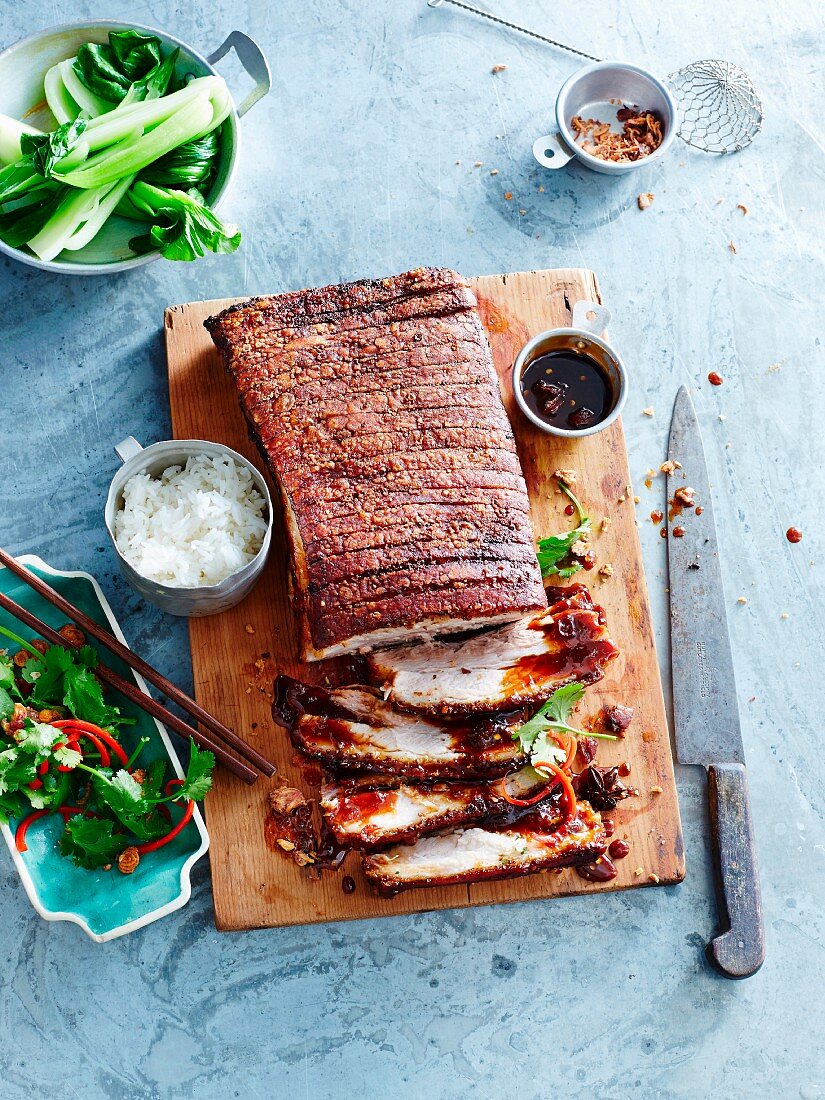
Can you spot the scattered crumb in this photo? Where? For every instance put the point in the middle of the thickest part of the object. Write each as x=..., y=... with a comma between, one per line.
x=670, y=465
x=742, y=599
x=685, y=495
x=636, y=499
x=494, y=171
x=650, y=473
x=478, y=164
x=458, y=162
x=732, y=247
x=719, y=202
x=249, y=628
x=645, y=200
x=784, y=615
x=656, y=790
x=287, y=845
x=721, y=417
x=652, y=877
x=522, y=212
x=621, y=500
x=741, y=206
x=606, y=570
x=508, y=195
x=579, y=548
x=628, y=490
x=498, y=68
x=541, y=188
x=649, y=411
x=606, y=521
x=565, y=475
x=774, y=368
x=637, y=872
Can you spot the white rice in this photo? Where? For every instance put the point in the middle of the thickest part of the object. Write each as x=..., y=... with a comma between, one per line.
x=192, y=526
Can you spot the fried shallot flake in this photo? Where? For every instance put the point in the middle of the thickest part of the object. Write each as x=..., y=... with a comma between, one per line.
x=641, y=135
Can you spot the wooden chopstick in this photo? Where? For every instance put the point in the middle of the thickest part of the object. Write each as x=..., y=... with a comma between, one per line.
x=222, y=732
x=133, y=692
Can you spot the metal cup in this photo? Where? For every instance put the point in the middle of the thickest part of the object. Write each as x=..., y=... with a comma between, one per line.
x=596, y=91
x=589, y=322
x=153, y=460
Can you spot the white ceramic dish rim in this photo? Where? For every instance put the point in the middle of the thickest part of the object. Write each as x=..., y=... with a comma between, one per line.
x=568, y=433
x=192, y=446
x=607, y=167
x=61, y=267
x=185, y=873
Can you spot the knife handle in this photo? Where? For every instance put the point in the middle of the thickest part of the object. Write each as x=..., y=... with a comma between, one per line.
x=740, y=951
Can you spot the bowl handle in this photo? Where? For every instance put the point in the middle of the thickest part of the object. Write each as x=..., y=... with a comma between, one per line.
x=128, y=448
x=251, y=56
x=551, y=152
x=591, y=317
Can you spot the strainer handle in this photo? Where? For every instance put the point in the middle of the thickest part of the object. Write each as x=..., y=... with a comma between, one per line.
x=551, y=152
x=251, y=56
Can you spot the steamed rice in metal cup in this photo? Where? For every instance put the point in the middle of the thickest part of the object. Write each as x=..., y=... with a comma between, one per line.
x=200, y=600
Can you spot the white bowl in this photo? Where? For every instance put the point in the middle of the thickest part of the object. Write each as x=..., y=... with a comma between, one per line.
x=589, y=93
x=22, y=69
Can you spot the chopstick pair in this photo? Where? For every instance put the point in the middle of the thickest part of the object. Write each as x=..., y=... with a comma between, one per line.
x=225, y=735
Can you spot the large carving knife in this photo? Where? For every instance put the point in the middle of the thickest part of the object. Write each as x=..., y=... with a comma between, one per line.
x=706, y=714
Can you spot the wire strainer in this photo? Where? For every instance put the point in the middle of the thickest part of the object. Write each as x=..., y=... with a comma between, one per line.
x=720, y=109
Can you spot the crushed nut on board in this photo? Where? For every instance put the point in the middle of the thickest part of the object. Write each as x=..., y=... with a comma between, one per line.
x=649, y=411
x=741, y=600
x=670, y=465
x=741, y=206
x=606, y=570
x=656, y=790
x=685, y=495
x=652, y=877
x=565, y=475
x=249, y=628
x=498, y=68
x=645, y=200
x=638, y=871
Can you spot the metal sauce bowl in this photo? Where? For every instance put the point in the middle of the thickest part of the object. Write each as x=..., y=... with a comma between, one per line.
x=588, y=93
x=153, y=460
x=22, y=69
x=589, y=322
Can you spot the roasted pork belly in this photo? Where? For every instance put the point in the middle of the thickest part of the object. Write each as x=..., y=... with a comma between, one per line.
x=534, y=842
x=355, y=729
x=372, y=815
x=513, y=666
x=377, y=410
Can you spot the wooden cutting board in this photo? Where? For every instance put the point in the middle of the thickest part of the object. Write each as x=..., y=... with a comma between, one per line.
x=236, y=655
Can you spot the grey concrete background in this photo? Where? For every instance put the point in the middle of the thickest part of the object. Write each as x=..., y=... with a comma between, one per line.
x=350, y=170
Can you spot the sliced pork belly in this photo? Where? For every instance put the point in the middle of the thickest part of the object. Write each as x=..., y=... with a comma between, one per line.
x=535, y=842
x=372, y=815
x=517, y=665
x=353, y=728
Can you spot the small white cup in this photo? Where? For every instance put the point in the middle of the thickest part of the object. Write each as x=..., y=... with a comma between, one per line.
x=207, y=599
x=589, y=322
x=594, y=91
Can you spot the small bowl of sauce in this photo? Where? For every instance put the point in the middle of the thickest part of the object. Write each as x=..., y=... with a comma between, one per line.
x=570, y=381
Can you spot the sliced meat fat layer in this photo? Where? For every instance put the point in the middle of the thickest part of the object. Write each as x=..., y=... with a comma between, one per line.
x=480, y=853
x=371, y=815
x=353, y=728
x=520, y=664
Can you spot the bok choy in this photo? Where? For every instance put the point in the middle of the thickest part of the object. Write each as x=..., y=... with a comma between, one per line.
x=132, y=140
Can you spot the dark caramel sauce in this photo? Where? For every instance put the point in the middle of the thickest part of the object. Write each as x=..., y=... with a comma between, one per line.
x=567, y=389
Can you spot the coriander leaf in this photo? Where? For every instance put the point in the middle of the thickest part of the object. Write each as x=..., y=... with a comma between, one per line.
x=69, y=758
x=10, y=806
x=16, y=770
x=6, y=705
x=556, y=548
x=37, y=737
x=153, y=782
x=198, y=775
x=556, y=710
x=83, y=695
x=91, y=842
x=122, y=796
x=46, y=673
x=46, y=150
x=6, y=671
x=545, y=748
x=128, y=786
x=39, y=799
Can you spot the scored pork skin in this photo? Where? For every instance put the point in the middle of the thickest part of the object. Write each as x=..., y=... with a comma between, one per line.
x=517, y=665
x=536, y=842
x=375, y=390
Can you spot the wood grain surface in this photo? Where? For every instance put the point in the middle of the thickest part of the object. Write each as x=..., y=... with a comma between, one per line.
x=235, y=655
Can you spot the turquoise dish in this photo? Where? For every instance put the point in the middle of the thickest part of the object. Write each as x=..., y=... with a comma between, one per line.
x=105, y=904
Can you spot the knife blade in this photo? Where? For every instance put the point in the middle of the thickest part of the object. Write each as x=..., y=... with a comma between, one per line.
x=705, y=709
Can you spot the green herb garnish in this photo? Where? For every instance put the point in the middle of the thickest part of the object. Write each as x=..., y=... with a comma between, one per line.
x=553, y=715
x=554, y=552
